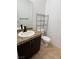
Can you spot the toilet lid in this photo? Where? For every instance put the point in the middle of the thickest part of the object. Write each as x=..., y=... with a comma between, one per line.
x=45, y=38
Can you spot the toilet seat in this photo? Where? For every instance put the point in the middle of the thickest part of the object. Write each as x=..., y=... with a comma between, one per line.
x=45, y=38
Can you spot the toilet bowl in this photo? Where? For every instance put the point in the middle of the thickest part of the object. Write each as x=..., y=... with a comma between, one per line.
x=46, y=40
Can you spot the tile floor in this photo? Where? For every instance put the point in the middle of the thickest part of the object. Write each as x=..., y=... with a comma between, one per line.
x=49, y=52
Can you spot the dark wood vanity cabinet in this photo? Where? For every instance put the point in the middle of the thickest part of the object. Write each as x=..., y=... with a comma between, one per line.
x=28, y=49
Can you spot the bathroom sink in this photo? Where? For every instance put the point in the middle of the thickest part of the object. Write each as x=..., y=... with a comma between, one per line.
x=26, y=34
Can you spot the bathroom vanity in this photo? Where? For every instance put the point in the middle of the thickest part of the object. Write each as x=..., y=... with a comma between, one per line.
x=28, y=46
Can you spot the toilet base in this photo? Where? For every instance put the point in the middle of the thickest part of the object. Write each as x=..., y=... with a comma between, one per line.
x=44, y=44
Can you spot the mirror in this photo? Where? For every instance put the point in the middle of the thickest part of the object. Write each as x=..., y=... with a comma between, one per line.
x=24, y=13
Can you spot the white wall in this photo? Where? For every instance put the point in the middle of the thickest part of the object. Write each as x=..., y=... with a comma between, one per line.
x=53, y=8
x=24, y=10
x=38, y=7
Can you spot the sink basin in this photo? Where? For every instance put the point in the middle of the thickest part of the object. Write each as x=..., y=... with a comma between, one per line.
x=26, y=34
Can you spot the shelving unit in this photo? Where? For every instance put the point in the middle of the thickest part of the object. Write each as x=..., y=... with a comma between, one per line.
x=42, y=23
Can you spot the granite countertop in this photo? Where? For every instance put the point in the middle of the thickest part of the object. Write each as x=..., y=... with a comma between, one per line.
x=21, y=40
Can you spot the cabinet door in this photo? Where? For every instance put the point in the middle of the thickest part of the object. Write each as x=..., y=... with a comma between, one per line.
x=24, y=50
x=35, y=44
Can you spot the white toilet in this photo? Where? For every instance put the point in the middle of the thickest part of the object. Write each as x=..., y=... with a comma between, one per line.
x=45, y=39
